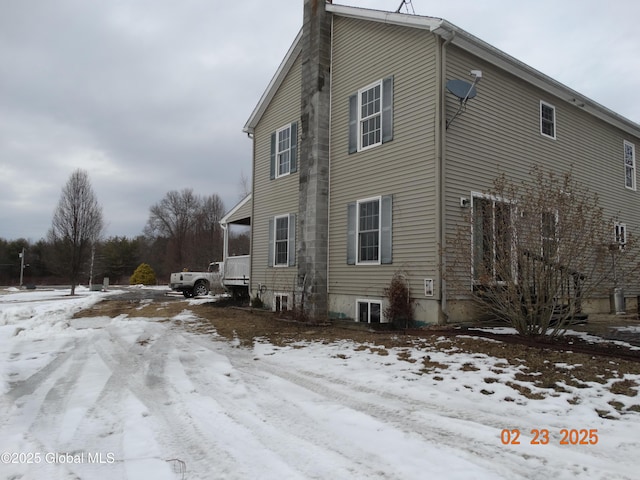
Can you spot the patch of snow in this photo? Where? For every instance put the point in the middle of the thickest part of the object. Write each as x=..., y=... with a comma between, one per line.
x=155, y=401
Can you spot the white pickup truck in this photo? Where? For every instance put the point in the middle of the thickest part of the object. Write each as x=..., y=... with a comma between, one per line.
x=196, y=284
x=232, y=275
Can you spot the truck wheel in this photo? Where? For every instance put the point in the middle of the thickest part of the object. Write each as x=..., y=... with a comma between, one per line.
x=187, y=293
x=200, y=289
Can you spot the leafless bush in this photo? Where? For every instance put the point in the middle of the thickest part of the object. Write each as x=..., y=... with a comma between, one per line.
x=529, y=253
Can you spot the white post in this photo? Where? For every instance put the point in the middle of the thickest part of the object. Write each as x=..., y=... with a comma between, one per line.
x=21, y=266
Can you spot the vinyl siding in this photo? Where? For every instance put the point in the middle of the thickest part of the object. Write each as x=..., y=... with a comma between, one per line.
x=364, y=52
x=500, y=133
x=278, y=196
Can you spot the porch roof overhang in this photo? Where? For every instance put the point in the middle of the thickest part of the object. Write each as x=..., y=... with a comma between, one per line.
x=240, y=214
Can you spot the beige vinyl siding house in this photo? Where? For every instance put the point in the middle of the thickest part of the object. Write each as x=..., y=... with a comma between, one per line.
x=501, y=133
x=402, y=168
x=401, y=176
x=277, y=198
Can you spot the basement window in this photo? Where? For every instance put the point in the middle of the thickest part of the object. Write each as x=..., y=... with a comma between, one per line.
x=369, y=311
x=281, y=302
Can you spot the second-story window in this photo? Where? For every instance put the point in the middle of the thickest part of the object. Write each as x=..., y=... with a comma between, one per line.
x=629, y=165
x=371, y=116
x=547, y=120
x=283, y=154
x=284, y=151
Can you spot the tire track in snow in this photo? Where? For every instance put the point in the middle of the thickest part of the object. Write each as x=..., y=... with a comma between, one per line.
x=47, y=422
x=433, y=422
x=29, y=385
x=278, y=425
x=258, y=373
x=139, y=370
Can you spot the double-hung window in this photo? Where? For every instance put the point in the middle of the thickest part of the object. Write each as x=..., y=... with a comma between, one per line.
x=629, y=165
x=369, y=231
x=549, y=232
x=493, y=259
x=547, y=120
x=369, y=234
x=282, y=240
x=620, y=234
x=371, y=116
x=284, y=151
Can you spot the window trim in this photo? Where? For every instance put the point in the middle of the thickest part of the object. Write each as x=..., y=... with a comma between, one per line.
x=291, y=240
x=275, y=240
x=386, y=85
x=368, y=200
x=375, y=84
x=369, y=302
x=494, y=199
x=277, y=295
x=633, y=185
x=554, y=121
x=620, y=230
x=274, y=153
x=280, y=152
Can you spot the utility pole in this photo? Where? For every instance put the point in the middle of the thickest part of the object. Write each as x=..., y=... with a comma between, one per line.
x=21, y=266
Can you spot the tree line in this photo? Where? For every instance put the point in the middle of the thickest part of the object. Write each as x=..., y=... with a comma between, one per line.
x=182, y=231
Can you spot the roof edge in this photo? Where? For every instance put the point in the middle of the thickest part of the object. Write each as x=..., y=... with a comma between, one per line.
x=274, y=84
x=238, y=206
x=462, y=39
x=506, y=62
x=393, y=18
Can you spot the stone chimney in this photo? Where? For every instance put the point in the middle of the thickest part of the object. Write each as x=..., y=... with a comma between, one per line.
x=313, y=211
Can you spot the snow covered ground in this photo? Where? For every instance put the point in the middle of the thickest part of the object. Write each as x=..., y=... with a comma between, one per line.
x=141, y=398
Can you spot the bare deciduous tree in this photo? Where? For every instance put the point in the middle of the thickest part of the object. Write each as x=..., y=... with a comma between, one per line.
x=208, y=235
x=77, y=224
x=190, y=225
x=245, y=185
x=535, y=251
x=174, y=218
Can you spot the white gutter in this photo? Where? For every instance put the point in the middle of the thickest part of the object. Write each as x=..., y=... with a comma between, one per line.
x=485, y=51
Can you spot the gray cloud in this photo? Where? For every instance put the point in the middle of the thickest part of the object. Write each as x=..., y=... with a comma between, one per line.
x=151, y=96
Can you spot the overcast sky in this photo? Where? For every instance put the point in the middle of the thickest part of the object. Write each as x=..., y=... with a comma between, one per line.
x=151, y=95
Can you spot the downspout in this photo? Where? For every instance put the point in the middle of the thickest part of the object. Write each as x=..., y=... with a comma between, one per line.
x=440, y=139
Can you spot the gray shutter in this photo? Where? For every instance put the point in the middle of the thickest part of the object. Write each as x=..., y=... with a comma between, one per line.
x=387, y=109
x=351, y=233
x=272, y=168
x=271, y=242
x=386, y=221
x=353, y=123
x=292, y=239
x=294, y=147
